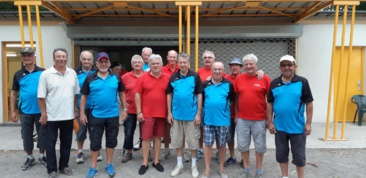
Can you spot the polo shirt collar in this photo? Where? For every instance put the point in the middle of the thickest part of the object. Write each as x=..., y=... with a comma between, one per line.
x=293, y=80
x=36, y=68
x=53, y=70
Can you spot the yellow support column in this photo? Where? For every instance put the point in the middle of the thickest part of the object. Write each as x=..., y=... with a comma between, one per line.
x=330, y=90
x=196, y=38
x=347, y=71
x=40, y=47
x=20, y=13
x=180, y=29
x=30, y=29
x=188, y=33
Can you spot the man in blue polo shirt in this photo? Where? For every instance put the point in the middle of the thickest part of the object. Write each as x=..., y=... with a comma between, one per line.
x=184, y=97
x=287, y=98
x=86, y=68
x=25, y=83
x=103, y=87
x=218, y=95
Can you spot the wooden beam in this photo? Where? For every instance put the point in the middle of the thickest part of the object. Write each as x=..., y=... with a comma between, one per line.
x=29, y=2
x=94, y=11
x=304, y=16
x=345, y=2
x=60, y=13
x=120, y=4
x=275, y=11
x=153, y=11
x=188, y=3
x=222, y=10
x=252, y=4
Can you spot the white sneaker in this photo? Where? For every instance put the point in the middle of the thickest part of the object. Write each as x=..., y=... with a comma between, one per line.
x=177, y=170
x=195, y=172
x=80, y=158
x=100, y=157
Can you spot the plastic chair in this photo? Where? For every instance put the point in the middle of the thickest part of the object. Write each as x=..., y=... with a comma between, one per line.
x=360, y=101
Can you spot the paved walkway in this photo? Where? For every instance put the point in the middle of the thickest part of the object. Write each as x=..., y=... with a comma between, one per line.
x=324, y=158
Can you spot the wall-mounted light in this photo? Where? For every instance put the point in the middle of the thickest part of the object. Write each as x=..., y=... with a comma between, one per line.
x=11, y=55
x=17, y=45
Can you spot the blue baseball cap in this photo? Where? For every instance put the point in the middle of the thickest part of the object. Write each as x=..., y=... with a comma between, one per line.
x=102, y=55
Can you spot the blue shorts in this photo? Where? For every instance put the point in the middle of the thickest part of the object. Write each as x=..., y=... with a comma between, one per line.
x=210, y=133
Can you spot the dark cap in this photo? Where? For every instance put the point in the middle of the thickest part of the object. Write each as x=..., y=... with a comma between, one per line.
x=236, y=61
x=27, y=50
x=102, y=55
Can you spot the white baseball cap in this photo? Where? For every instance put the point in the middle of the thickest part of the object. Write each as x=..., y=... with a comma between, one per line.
x=288, y=58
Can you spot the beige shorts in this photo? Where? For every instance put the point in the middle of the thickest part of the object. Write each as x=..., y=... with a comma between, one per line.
x=187, y=129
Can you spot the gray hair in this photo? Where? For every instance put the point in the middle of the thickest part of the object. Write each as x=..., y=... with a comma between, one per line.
x=86, y=51
x=146, y=48
x=59, y=49
x=156, y=56
x=208, y=52
x=250, y=57
x=136, y=57
x=184, y=55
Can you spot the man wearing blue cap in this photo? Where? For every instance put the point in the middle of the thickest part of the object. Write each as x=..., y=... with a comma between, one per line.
x=103, y=88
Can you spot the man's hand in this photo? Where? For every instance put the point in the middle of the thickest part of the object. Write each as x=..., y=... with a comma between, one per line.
x=197, y=120
x=83, y=119
x=43, y=119
x=307, y=129
x=124, y=115
x=271, y=128
x=260, y=74
x=170, y=119
x=140, y=117
x=14, y=116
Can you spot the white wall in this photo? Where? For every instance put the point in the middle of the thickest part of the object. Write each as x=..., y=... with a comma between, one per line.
x=53, y=36
x=314, y=59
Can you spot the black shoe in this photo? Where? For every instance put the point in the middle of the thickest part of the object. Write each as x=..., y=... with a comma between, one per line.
x=143, y=169
x=43, y=161
x=28, y=164
x=230, y=161
x=158, y=167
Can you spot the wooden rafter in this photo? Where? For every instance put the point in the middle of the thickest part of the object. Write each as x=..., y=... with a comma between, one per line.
x=94, y=11
x=63, y=15
x=275, y=11
x=152, y=11
x=222, y=10
x=311, y=12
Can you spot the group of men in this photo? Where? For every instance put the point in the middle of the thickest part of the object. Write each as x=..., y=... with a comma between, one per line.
x=173, y=102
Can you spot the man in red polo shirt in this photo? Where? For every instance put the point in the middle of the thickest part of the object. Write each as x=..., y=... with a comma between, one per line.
x=151, y=108
x=172, y=65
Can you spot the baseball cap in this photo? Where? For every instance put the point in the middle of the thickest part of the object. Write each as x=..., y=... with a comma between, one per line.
x=26, y=50
x=236, y=61
x=102, y=55
x=288, y=58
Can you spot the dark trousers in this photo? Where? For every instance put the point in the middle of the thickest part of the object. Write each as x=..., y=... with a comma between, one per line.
x=27, y=122
x=53, y=128
x=129, y=128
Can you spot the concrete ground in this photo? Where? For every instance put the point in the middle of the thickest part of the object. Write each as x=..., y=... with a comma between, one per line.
x=333, y=159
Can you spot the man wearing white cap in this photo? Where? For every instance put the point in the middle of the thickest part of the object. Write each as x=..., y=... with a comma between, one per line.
x=286, y=101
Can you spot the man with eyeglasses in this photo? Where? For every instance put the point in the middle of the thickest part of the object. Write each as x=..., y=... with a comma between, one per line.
x=250, y=116
x=286, y=101
x=86, y=68
x=58, y=90
x=218, y=96
x=25, y=84
x=103, y=87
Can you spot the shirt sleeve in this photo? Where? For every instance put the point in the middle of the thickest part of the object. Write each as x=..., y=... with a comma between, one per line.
x=306, y=95
x=169, y=88
x=77, y=86
x=42, y=90
x=16, y=85
x=198, y=87
x=270, y=98
x=138, y=88
x=85, y=89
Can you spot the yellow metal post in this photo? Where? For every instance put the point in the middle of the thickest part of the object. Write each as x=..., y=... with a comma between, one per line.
x=345, y=11
x=196, y=39
x=21, y=24
x=40, y=47
x=30, y=29
x=330, y=90
x=180, y=29
x=188, y=35
x=347, y=71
